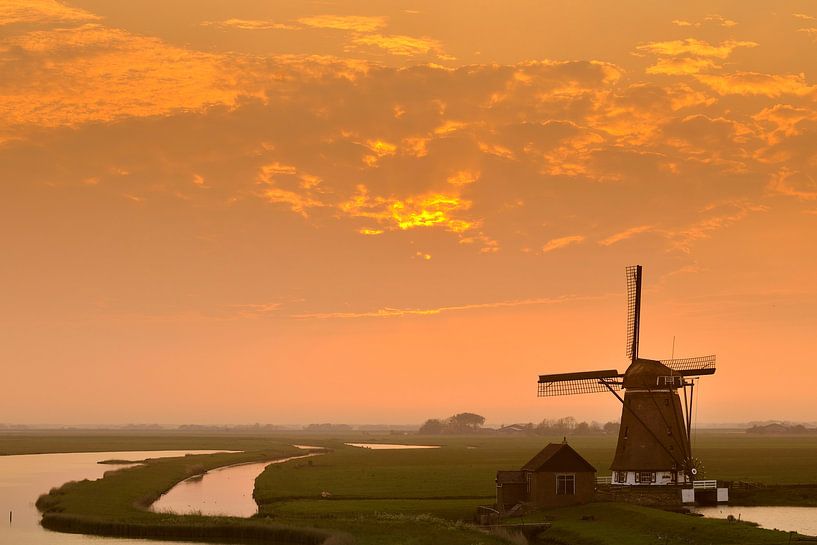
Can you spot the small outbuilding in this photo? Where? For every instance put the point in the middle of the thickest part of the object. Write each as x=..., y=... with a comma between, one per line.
x=555, y=477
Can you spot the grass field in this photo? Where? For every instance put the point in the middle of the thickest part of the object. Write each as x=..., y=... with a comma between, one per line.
x=411, y=497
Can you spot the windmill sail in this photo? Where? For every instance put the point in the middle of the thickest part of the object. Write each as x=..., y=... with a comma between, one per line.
x=704, y=365
x=588, y=382
x=633, y=309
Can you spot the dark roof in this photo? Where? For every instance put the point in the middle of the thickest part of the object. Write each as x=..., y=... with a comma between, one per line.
x=644, y=373
x=510, y=477
x=558, y=457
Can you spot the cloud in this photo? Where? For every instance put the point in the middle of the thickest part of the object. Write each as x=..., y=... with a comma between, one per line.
x=355, y=23
x=754, y=83
x=41, y=11
x=417, y=211
x=718, y=216
x=804, y=17
x=463, y=177
x=563, y=242
x=794, y=183
x=401, y=45
x=626, y=234
x=300, y=198
x=693, y=47
x=401, y=312
x=249, y=24
x=113, y=75
x=716, y=20
x=812, y=32
x=676, y=66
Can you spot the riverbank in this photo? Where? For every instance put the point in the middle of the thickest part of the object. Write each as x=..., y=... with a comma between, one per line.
x=117, y=504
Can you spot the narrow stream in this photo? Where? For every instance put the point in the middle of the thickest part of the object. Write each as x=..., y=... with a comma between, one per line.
x=222, y=491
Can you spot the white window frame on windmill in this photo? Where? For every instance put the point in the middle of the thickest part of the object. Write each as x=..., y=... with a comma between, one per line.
x=676, y=381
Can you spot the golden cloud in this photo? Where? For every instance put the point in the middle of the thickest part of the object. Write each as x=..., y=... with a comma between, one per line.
x=693, y=47
x=716, y=20
x=113, y=75
x=404, y=46
x=679, y=66
x=563, y=242
x=41, y=11
x=753, y=83
x=720, y=216
x=812, y=32
x=399, y=312
x=626, y=234
x=248, y=24
x=427, y=210
x=354, y=23
x=463, y=177
x=794, y=183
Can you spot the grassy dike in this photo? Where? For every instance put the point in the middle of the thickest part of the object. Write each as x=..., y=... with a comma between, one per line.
x=116, y=505
x=419, y=497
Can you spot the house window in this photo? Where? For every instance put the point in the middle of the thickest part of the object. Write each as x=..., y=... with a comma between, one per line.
x=645, y=477
x=565, y=485
x=621, y=476
x=528, y=482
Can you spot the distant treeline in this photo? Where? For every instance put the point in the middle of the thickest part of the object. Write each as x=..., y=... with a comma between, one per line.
x=777, y=428
x=472, y=423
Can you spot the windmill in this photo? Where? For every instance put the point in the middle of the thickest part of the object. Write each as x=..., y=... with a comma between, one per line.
x=654, y=445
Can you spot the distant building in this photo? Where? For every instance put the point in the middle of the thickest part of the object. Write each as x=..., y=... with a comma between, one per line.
x=515, y=429
x=555, y=477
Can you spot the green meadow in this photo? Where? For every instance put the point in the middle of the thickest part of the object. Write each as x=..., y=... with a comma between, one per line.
x=411, y=497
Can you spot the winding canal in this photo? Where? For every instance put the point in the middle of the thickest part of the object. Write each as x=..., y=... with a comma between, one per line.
x=24, y=478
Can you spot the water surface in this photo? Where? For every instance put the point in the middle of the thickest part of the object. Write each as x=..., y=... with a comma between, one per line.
x=388, y=446
x=790, y=519
x=221, y=491
x=23, y=478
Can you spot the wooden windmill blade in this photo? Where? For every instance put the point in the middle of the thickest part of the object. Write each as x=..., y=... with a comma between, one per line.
x=587, y=382
x=633, y=309
x=703, y=365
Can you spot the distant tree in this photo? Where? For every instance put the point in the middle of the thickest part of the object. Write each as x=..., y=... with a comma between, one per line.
x=466, y=422
x=566, y=424
x=582, y=428
x=433, y=426
x=611, y=427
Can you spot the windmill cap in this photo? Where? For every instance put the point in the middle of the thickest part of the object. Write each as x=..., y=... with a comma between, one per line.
x=643, y=373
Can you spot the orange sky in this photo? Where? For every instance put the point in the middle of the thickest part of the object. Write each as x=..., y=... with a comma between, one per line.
x=369, y=212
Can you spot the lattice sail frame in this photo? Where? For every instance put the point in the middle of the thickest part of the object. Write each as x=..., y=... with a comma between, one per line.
x=703, y=365
x=589, y=382
x=633, y=273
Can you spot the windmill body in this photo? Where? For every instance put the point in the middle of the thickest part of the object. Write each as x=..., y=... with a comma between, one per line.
x=654, y=438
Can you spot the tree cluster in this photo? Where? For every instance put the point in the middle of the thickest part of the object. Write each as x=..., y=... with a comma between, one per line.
x=568, y=426
x=458, y=423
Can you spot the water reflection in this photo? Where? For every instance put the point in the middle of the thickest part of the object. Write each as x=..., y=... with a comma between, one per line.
x=24, y=478
x=222, y=491
x=790, y=519
x=388, y=446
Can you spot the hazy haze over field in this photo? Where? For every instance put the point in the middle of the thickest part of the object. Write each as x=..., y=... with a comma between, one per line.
x=372, y=212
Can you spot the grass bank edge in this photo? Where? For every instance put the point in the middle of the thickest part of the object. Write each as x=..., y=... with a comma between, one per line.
x=117, y=505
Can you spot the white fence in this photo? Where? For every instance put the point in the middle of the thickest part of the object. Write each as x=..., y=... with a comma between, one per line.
x=604, y=480
x=704, y=484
